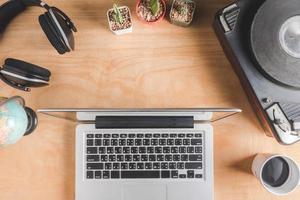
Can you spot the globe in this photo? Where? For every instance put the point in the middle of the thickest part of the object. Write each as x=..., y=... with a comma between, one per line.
x=13, y=120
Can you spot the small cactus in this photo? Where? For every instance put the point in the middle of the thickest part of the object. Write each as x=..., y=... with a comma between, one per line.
x=117, y=14
x=154, y=6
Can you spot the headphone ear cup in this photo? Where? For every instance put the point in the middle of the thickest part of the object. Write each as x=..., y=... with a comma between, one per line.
x=26, y=69
x=51, y=35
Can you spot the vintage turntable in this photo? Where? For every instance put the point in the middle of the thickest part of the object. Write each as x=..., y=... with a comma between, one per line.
x=261, y=38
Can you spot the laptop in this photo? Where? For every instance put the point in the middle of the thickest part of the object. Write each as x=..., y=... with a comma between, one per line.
x=144, y=154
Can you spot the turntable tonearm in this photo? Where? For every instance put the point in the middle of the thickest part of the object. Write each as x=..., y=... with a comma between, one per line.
x=261, y=38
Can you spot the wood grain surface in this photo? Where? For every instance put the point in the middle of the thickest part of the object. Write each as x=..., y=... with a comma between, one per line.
x=155, y=66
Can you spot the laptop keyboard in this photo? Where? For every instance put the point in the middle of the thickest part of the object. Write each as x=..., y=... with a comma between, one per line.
x=144, y=156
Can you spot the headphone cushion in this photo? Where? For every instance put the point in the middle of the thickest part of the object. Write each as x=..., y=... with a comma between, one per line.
x=26, y=69
x=51, y=35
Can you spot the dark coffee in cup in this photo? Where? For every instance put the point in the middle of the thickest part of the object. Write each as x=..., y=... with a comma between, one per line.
x=275, y=172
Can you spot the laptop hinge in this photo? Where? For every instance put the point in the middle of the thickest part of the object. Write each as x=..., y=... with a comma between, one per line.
x=115, y=122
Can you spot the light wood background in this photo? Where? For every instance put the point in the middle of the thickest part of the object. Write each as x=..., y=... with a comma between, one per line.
x=155, y=66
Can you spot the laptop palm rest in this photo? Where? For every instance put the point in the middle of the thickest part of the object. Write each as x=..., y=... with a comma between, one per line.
x=144, y=191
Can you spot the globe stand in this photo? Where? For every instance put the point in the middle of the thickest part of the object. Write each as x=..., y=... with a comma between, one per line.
x=32, y=121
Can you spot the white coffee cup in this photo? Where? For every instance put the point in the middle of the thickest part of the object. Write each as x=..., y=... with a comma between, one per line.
x=290, y=184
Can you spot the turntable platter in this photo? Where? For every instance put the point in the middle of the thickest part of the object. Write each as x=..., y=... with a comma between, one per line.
x=275, y=41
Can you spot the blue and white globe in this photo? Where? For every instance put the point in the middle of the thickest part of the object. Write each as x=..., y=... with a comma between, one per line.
x=13, y=120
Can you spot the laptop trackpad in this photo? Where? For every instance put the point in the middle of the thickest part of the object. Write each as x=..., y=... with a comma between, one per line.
x=144, y=192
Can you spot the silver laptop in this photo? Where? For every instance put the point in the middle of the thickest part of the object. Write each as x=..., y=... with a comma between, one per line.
x=149, y=154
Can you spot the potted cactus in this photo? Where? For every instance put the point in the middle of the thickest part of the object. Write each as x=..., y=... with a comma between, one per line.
x=119, y=20
x=151, y=11
x=182, y=12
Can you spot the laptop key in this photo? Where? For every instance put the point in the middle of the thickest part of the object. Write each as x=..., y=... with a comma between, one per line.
x=198, y=135
x=156, y=135
x=184, y=157
x=190, y=173
x=134, y=150
x=148, y=165
x=115, y=135
x=198, y=149
x=178, y=141
x=110, y=150
x=115, y=174
x=180, y=165
x=172, y=165
x=165, y=174
x=150, y=149
x=182, y=149
x=126, y=149
x=123, y=135
x=98, y=174
x=156, y=165
x=168, y=157
x=190, y=149
x=140, y=135
x=136, y=157
x=108, y=165
x=193, y=165
x=162, y=142
x=166, y=150
x=190, y=135
x=140, y=165
x=148, y=135
x=160, y=157
x=164, y=165
x=94, y=166
x=90, y=142
x=104, y=158
x=118, y=150
x=173, y=135
x=106, y=142
x=186, y=142
x=112, y=158
x=106, y=174
x=174, y=174
x=124, y=165
x=98, y=136
x=98, y=142
x=154, y=142
x=122, y=142
x=89, y=174
x=114, y=142
x=132, y=165
x=174, y=149
x=198, y=176
x=138, y=142
x=170, y=142
x=142, y=150
x=92, y=158
x=131, y=135
x=165, y=135
x=120, y=158
x=146, y=142
x=182, y=175
x=140, y=174
x=102, y=150
x=91, y=150
x=195, y=157
x=128, y=158
x=158, y=149
x=144, y=158
x=116, y=165
x=90, y=135
x=130, y=142
x=176, y=157
x=196, y=141
x=106, y=135
x=152, y=157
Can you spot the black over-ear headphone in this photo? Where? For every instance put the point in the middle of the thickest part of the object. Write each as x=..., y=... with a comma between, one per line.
x=57, y=26
x=22, y=75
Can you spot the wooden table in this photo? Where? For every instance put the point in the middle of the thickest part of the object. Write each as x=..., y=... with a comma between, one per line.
x=155, y=66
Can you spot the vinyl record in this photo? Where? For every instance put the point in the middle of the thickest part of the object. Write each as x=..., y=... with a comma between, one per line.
x=275, y=41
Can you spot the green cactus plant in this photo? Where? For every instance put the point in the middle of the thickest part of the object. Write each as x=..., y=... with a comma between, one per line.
x=117, y=14
x=154, y=6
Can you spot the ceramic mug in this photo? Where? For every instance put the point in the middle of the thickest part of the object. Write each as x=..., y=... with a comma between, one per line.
x=278, y=174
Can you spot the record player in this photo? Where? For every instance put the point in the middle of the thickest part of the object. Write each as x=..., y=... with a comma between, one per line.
x=261, y=38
